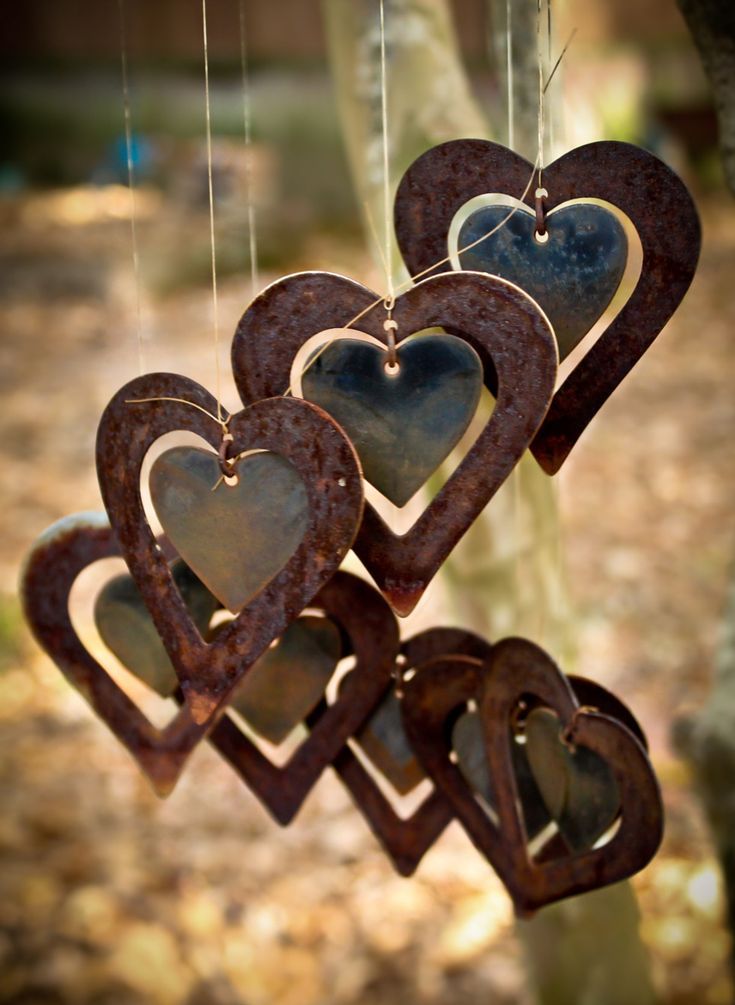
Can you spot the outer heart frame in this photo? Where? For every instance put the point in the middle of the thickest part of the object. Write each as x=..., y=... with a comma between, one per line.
x=516, y=670
x=518, y=351
x=51, y=568
x=303, y=434
x=369, y=628
x=445, y=178
x=406, y=840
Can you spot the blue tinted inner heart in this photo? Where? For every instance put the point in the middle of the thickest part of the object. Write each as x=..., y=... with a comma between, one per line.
x=572, y=276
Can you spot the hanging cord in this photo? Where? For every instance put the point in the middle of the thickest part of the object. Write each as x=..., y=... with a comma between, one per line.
x=509, y=72
x=131, y=184
x=247, y=129
x=386, y=161
x=215, y=301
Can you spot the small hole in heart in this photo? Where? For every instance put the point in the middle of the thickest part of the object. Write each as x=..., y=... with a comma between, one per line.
x=392, y=369
x=231, y=480
x=540, y=238
x=342, y=482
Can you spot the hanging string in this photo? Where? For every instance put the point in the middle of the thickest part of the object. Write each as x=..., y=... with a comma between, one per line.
x=247, y=129
x=509, y=72
x=540, y=62
x=548, y=64
x=386, y=177
x=131, y=183
x=215, y=302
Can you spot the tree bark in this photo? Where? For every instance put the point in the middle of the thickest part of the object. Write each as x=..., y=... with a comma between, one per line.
x=712, y=24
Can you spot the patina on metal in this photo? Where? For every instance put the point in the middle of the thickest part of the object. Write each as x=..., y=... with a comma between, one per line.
x=572, y=274
x=403, y=421
x=259, y=520
x=302, y=434
x=405, y=839
x=518, y=673
x=371, y=630
x=445, y=178
x=501, y=323
x=50, y=570
x=125, y=626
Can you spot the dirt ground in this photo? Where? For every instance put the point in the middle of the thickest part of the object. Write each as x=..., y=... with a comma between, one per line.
x=109, y=897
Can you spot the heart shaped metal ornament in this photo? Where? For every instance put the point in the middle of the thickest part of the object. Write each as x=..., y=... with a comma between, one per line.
x=572, y=274
x=326, y=464
x=50, y=571
x=260, y=520
x=383, y=741
x=403, y=421
x=503, y=326
x=444, y=179
x=372, y=633
x=515, y=674
x=125, y=626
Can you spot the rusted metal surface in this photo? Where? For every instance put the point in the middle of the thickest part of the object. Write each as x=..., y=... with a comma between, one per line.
x=372, y=633
x=301, y=433
x=658, y=204
x=518, y=671
x=51, y=568
x=407, y=839
x=519, y=356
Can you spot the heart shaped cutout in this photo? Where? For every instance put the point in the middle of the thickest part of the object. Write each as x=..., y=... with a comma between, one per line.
x=404, y=839
x=403, y=421
x=518, y=671
x=151, y=406
x=369, y=625
x=572, y=274
x=504, y=327
x=445, y=178
x=125, y=626
x=50, y=570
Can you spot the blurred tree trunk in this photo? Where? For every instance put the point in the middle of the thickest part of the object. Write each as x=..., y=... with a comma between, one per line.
x=506, y=573
x=708, y=743
x=712, y=24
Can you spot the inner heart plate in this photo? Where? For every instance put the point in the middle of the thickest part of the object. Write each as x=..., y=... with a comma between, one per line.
x=572, y=274
x=372, y=632
x=301, y=434
x=440, y=182
x=403, y=420
x=497, y=320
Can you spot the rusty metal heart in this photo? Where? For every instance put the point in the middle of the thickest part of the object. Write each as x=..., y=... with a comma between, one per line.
x=126, y=628
x=572, y=274
x=260, y=521
x=403, y=422
x=404, y=839
x=515, y=672
x=371, y=629
x=444, y=179
x=500, y=322
x=142, y=412
x=50, y=570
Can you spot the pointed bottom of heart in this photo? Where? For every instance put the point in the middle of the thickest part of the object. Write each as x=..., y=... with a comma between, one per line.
x=401, y=598
x=200, y=706
x=162, y=769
